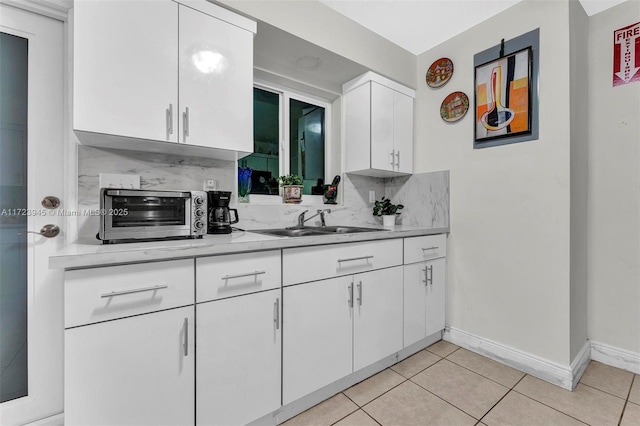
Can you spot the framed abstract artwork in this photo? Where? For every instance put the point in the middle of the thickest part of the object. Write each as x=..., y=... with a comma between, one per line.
x=506, y=99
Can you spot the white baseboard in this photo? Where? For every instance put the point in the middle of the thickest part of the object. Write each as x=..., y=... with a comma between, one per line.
x=615, y=357
x=564, y=376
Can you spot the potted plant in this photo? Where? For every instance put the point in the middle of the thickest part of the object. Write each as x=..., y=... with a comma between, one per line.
x=291, y=188
x=387, y=210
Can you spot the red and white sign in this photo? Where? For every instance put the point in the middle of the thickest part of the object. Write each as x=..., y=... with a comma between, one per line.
x=626, y=54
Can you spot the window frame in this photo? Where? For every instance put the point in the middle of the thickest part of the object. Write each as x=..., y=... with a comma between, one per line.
x=285, y=96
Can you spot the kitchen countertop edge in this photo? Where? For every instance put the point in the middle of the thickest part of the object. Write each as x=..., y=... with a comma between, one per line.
x=86, y=255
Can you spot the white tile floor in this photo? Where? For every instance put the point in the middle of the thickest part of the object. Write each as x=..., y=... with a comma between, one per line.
x=448, y=385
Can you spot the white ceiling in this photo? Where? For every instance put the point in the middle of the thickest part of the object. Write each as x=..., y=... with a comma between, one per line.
x=419, y=25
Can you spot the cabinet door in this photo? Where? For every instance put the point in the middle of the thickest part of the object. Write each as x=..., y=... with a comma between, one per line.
x=436, y=295
x=317, y=349
x=377, y=324
x=216, y=82
x=415, y=308
x=358, y=129
x=403, y=132
x=382, y=151
x=239, y=359
x=125, y=67
x=131, y=371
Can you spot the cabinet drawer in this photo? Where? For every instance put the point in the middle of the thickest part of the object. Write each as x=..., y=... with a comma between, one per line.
x=101, y=294
x=417, y=249
x=224, y=276
x=316, y=263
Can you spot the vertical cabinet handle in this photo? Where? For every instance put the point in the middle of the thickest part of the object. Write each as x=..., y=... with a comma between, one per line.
x=169, y=120
x=360, y=293
x=350, y=300
x=276, y=314
x=426, y=276
x=393, y=157
x=185, y=330
x=430, y=274
x=185, y=124
x=398, y=159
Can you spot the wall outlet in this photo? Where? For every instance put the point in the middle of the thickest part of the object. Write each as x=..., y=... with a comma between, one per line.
x=109, y=180
x=209, y=185
x=372, y=196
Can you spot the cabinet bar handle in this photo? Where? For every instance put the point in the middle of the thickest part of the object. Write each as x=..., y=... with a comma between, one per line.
x=398, y=159
x=185, y=124
x=350, y=295
x=430, y=248
x=393, y=154
x=276, y=316
x=430, y=275
x=137, y=290
x=248, y=274
x=360, y=293
x=185, y=330
x=426, y=277
x=355, y=258
x=169, y=120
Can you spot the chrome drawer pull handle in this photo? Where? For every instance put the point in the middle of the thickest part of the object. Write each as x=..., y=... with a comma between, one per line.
x=185, y=330
x=185, y=124
x=355, y=258
x=360, y=293
x=350, y=289
x=138, y=290
x=430, y=248
x=276, y=316
x=248, y=274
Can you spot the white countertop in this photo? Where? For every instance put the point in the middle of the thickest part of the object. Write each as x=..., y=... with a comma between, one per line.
x=92, y=254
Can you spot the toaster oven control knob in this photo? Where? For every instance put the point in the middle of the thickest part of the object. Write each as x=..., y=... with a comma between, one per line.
x=199, y=212
x=199, y=225
x=198, y=200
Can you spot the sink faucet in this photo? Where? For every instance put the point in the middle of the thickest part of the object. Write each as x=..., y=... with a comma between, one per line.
x=319, y=212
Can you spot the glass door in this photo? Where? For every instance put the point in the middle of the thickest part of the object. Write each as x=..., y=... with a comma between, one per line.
x=31, y=178
x=13, y=223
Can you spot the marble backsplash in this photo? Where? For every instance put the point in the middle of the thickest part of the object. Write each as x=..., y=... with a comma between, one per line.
x=424, y=195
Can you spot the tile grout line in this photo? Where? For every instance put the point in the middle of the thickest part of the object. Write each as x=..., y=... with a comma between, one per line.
x=404, y=381
x=503, y=397
x=626, y=402
x=605, y=392
x=546, y=405
x=489, y=378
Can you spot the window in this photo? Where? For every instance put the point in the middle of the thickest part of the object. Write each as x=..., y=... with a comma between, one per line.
x=289, y=132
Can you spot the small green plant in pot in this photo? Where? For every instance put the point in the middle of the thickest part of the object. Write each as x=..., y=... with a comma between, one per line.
x=291, y=188
x=387, y=210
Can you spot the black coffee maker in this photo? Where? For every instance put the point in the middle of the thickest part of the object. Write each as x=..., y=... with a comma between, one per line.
x=219, y=219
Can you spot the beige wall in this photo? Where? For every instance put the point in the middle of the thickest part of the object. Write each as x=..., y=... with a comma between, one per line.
x=509, y=252
x=319, y=24
x=614, y=189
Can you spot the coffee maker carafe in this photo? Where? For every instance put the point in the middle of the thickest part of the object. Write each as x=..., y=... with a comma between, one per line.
x=219, y=219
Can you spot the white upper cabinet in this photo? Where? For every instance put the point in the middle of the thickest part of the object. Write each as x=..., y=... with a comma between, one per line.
x=216, y=83
x=378, y=126
x=125, y=74
x=159, y=71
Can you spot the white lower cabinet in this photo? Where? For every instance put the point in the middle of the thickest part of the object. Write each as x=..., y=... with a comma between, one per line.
x=336, y=326
x=424, y=299
x=317, y=347
x=131, y=371
x=238, y=351
x=377, y=323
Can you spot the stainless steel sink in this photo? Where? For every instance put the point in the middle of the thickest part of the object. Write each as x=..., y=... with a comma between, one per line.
x=315, y=231
x=350, y=229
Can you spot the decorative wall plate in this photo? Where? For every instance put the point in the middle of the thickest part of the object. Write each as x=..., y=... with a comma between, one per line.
x=454, y=107
x=439, y=72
